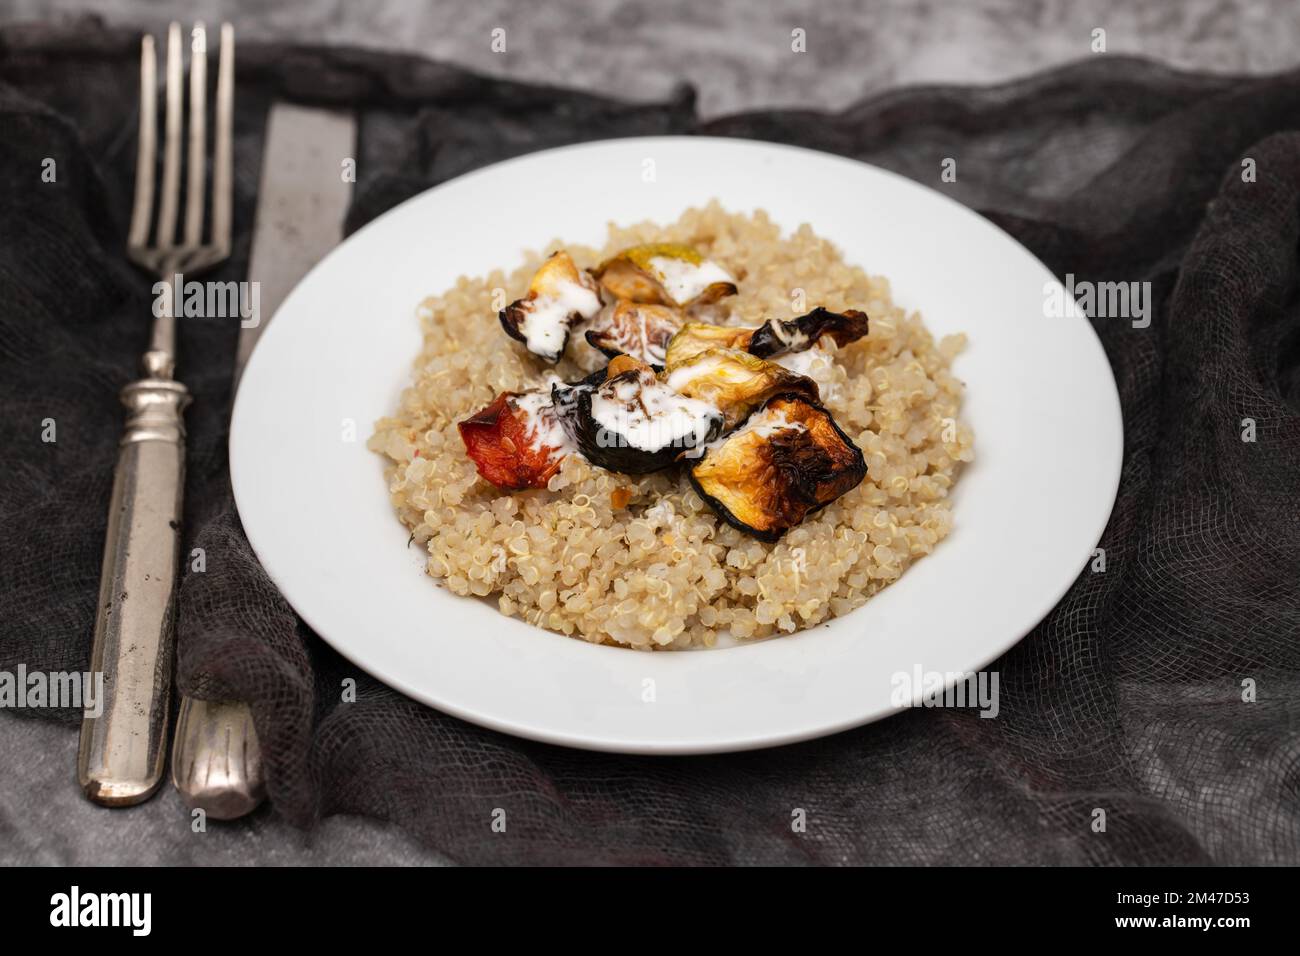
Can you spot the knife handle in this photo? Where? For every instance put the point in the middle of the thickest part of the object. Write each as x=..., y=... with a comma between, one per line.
x=123, y=746
x=216, y=759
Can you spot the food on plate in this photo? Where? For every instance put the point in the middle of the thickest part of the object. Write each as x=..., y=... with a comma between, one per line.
x=515, y=442
x=665, y=273
x=631, y=422
x=559, y=295
x=696, y=337
x=668, y=449
x=774, y=337
x=637, y=329
x=735, y=382
x=787, y=460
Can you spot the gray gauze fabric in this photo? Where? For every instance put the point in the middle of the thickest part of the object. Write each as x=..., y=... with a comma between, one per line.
x=1128, y=698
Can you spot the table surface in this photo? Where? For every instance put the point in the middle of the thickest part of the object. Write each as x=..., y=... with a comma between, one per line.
x=738, y=56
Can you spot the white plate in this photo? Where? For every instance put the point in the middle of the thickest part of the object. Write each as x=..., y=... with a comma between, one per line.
x=1028, y=512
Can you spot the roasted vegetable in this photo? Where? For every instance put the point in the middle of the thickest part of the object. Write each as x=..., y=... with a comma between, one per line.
x=665, y=274
x=516, y=442
x=558, y=295
x=636, y=329
x=775, y=336
x=735, y=382
x=788, y=460
x=697, y=337
x=630, y=421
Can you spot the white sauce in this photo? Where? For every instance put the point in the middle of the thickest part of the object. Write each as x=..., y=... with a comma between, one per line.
x=650, y=416
x=683, y=280
x=543, y=425
x=765, y=423
x=649, y=352
x=817, y=364
x=768, y=422
x=547, y=317
x=789, y=336
x=635, y=341
x=801, y=363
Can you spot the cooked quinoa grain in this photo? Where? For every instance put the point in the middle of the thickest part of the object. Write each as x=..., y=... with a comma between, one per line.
x=643, y=561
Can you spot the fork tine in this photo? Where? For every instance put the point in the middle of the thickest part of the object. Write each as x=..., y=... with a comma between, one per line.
x=198, y=130
x=222, y=162
x=172, y=143
x=142, y=208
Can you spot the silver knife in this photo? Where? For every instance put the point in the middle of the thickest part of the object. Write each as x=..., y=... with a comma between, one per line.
x=302, y=199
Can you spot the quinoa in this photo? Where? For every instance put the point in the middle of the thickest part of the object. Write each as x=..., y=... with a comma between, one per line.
x=641, y=560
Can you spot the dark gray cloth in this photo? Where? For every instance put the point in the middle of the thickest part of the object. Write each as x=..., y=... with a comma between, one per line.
x=1128, y=698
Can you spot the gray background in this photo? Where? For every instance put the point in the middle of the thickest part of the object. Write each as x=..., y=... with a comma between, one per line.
x=737, y=55
x=737, y=52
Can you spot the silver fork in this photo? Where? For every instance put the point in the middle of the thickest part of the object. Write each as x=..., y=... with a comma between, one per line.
x=123, y=748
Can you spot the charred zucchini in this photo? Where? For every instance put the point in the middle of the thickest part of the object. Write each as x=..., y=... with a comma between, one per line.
x=637, y=329
x=788, y=460
x=735, y=382
x=630, y=421
x=697, y=337
x=665, y=273
x=773, y=337
x=776, y=336
x=558, y=295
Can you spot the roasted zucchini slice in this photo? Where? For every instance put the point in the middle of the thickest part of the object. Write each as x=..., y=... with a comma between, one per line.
x=789, y=459
x=776, y=336
x=773, y=337
x=631, y=422
x=637, y=329
x=665, y=273
x=735, y=382
x=696, y=337
x=517, y=441
x=559, y=295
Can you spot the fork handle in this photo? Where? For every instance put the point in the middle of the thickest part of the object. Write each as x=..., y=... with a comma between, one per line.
x=123, y=748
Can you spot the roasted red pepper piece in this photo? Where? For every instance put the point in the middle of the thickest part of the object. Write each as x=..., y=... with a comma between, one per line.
x=499, y=442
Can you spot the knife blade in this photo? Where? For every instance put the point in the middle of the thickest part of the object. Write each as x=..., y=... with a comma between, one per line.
x=303, y=196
